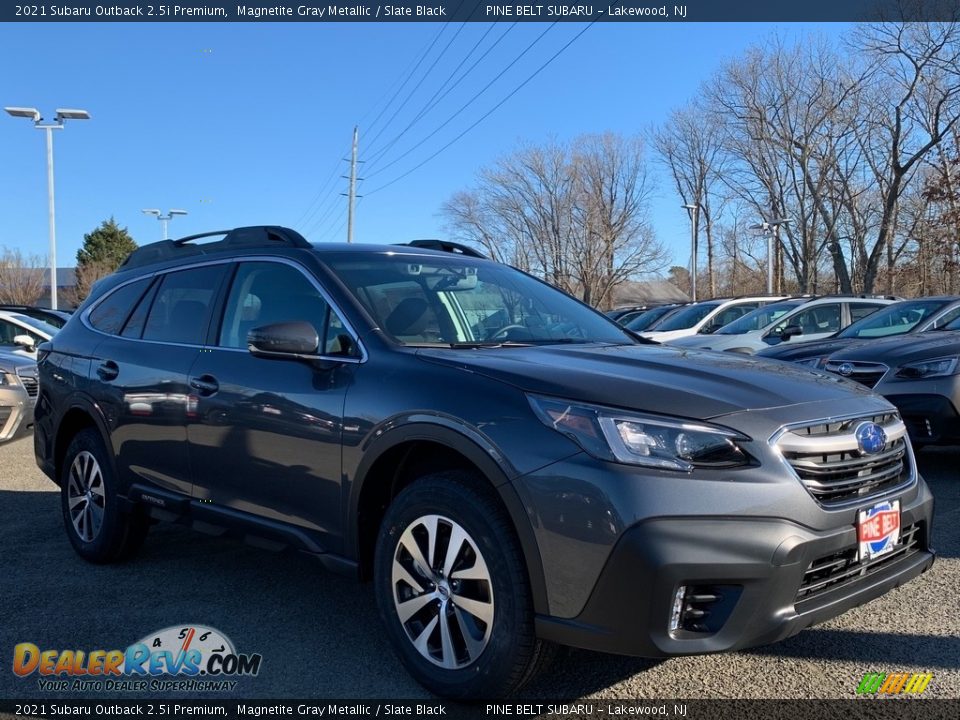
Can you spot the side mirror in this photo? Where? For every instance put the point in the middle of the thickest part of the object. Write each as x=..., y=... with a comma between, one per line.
x=292, y=340
x=791, y=331
x=26, y=342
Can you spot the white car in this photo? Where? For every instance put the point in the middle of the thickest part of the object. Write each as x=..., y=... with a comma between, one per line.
x=20, y=334
x=705, y=317
x=805, y=321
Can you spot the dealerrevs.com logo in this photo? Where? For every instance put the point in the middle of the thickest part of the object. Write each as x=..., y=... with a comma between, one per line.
x=178, y=658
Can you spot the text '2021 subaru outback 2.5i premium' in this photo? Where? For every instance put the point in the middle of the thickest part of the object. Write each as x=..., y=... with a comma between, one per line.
x=511, y=469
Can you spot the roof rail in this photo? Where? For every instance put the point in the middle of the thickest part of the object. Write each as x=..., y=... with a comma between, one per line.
x=446, y=246
x=253, y=236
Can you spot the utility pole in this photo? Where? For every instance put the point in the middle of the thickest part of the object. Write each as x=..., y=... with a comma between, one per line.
x=352, y=197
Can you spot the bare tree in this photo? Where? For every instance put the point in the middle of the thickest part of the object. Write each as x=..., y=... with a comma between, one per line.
x=21, y=277
x=574, y=214
x=691, y=146
x=911, y=101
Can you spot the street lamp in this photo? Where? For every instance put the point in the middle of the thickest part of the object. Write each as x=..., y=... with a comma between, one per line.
x=164, y=219
x=62, y=115
x=694, y=212
x=772, y=231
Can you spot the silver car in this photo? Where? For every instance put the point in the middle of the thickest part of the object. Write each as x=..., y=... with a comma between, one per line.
x=18, y=394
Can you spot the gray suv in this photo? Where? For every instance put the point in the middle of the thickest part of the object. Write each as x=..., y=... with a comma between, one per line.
x=508, y=467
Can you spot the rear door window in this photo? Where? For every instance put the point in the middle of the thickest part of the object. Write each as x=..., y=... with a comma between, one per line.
x=111, y=312
x=181, y=308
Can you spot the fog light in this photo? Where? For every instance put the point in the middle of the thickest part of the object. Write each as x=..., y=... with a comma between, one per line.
x=677, y=612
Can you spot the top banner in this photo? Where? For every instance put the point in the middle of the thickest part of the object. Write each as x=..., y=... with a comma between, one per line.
x=471, y=11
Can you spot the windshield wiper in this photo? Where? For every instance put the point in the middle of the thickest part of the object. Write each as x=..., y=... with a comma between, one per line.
x=472, y=345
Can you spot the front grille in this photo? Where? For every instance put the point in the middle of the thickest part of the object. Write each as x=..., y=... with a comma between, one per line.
x=29, y=380
x=843, y=567
x=828, y=460
x=866, y=373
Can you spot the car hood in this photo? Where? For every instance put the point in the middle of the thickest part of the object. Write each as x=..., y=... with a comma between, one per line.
x=11, y=359
x=667, y=335
x=904, y=348
x=687, y=383
x=792, y=352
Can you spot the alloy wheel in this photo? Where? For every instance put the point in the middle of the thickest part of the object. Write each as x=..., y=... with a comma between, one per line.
x=442, y=592
x=85, y=494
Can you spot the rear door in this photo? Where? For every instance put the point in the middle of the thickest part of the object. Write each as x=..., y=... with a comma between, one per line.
x=140, y=371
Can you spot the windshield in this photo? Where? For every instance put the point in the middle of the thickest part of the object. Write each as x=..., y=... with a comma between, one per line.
x=45, y=328
x=685, y=318
x=648, y=318
x=430, y=300
x=897, y=319
x=759, y=318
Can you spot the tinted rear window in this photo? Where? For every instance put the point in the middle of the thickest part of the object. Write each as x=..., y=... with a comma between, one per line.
x=111, y=312
x=179, y=312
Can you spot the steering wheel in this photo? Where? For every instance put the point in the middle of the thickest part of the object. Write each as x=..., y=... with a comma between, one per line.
x=504, y=332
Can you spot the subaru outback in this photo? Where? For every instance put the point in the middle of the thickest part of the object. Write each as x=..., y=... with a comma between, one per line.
x=510, y=469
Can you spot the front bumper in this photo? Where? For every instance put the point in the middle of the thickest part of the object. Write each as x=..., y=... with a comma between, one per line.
x=759, y=564
x=16, y=414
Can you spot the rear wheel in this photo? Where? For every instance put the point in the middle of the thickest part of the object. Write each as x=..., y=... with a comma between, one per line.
x=452, y=589
x=97, y=527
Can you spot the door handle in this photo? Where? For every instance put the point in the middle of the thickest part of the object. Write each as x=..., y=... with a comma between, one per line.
x=205, y=384
x=108, y=370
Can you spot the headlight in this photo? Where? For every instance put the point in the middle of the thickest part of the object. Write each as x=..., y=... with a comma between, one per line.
x=814, y=362
x=638, y=439
x=938, y=367
x=8, y=380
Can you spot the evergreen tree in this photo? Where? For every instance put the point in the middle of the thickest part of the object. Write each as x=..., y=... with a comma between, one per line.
x=102, y=252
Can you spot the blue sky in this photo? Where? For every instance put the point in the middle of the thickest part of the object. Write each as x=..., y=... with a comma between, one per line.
x=246, y=123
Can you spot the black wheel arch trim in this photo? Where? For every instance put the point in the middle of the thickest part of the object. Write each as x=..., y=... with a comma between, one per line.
x=479, y=450
x=95, y=413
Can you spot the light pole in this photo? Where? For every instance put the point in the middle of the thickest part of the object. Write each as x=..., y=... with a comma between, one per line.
x=772, y=231
x=164, y=219
x=694, y=212
x=62, y=115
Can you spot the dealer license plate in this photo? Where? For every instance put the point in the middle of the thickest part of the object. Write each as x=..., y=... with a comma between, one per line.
x=878, y=529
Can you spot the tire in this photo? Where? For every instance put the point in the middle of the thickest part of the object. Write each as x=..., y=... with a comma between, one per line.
x=98, y=528
x=489, y=648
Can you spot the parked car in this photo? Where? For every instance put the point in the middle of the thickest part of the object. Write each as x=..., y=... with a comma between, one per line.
x=21, y=333
x=18, y=392
x=808, y=320
x=647, y=318
x=707, y=316
x=57, y=318
x=907, y=317
x=623, y=315
x=546, y=479
x=754, y=320
x=919, y=374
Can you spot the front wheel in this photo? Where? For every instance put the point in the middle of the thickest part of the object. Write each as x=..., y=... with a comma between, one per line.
x=452, y=590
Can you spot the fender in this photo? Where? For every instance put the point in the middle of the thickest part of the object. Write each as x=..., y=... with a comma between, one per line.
x=479, y=450
x=79, y=401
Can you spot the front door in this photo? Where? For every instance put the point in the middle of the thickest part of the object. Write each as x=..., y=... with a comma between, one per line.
x=266, y=438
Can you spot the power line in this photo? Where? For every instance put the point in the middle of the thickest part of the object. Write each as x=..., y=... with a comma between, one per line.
x=469, y=102
x=304, y=215
x=488, y=113
x=437, y=97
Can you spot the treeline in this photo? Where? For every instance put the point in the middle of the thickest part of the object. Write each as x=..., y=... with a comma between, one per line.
x=857, y=143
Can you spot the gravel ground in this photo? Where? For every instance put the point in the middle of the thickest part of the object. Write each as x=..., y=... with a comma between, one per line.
x=320, y=636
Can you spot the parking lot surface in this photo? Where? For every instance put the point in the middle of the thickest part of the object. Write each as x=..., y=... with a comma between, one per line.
x=320, y=636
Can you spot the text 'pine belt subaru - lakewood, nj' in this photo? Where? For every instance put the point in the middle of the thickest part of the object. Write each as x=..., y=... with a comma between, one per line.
x=510, y=468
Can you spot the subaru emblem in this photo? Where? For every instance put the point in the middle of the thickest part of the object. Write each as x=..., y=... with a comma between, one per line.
x=871, y=438
x=845, y=369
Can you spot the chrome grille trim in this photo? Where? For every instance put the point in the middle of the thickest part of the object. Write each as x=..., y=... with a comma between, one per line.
x=866, y=373
x=824, y=456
